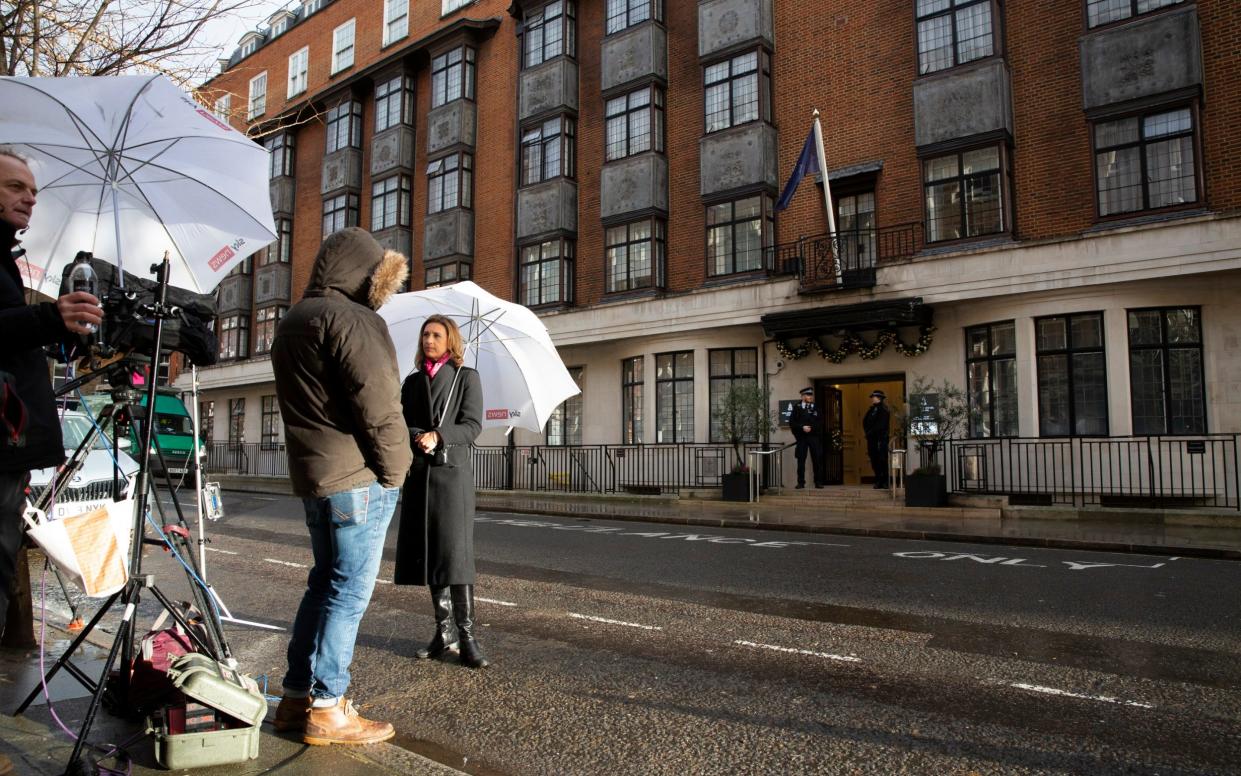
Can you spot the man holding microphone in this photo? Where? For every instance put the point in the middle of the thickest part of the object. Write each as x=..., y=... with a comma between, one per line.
x=27, y=328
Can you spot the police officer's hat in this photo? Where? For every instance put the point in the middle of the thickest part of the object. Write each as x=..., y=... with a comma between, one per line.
x=878, y=394
x=807, y=390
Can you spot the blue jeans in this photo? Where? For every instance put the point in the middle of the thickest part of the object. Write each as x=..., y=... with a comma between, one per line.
x=347, y=532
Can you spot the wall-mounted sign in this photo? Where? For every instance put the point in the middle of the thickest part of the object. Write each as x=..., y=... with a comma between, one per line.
x=786, y=410
x=923, y=414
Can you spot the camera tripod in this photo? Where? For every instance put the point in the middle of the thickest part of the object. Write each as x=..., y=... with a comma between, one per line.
x=212, y=641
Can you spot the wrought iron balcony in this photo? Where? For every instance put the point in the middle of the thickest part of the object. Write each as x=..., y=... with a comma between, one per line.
x=845, y=259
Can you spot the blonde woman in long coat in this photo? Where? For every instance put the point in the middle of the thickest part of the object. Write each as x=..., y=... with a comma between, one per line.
x=443, y=405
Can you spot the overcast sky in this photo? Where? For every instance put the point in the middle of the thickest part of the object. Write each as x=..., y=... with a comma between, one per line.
x=223, y=34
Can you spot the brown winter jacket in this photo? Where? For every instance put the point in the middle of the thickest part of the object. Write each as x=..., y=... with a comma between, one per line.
x=336, y=374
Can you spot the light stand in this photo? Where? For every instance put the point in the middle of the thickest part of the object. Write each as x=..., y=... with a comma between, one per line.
x=130, y=595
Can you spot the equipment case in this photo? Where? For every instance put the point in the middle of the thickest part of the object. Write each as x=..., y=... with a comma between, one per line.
x=240, y=710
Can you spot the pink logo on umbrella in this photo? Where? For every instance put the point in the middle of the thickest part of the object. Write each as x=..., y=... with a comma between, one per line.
x=221, y=258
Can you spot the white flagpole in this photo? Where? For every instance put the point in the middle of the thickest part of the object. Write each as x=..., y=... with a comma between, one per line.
x=827, y=195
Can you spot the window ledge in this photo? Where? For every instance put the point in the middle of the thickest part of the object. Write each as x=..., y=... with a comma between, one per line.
x=1123, y=222
x=629, y=296
x=737, y=278
x=969, y=245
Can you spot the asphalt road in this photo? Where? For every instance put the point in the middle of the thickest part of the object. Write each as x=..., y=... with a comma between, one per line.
x=633, y=648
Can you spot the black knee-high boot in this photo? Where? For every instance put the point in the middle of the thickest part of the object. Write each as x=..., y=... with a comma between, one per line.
x=463, y=610
x=446, y=638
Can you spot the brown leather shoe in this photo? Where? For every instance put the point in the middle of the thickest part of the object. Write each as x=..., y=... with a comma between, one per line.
x=290, y=715
x=340, y=724
x=6, y=766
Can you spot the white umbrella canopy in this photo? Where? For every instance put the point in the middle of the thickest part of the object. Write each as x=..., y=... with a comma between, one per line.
x=523, y=378
x=129, y=167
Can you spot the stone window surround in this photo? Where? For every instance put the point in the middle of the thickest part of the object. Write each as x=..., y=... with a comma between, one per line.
x=385, y=92
x=655, y=13
x=442, y=66
x=438, y=170
x=1068, y=350
x=565, y=139
x=266, y=319
x=566, y=20
x=381, y=191
x=999, y=140
x=763, y=71
x=1133, y=12
x=1102, y=117
x=682, y=387
x=657, y=122
x=997, y=36
x=343, y=207
x=766, y=219
x=657, y=242
x=563, y=258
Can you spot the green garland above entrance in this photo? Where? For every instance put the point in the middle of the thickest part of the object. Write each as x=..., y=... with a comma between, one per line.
x=853, y=343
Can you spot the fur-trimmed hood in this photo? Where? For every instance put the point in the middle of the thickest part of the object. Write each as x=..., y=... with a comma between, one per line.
x=352, y=263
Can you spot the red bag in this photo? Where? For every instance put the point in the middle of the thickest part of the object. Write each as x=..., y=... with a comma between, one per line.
x=149, y=685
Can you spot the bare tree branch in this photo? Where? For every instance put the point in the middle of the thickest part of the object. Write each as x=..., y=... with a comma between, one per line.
x=110, y=37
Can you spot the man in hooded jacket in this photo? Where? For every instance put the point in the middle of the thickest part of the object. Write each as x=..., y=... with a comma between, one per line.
x=349, y=452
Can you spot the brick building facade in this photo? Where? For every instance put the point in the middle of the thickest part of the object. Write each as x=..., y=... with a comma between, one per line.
x=1037, y=202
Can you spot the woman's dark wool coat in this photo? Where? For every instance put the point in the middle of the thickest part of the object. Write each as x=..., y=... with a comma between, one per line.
x=435, y=543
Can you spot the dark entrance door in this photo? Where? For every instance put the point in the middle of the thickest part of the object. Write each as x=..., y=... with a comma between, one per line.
x=833, y=430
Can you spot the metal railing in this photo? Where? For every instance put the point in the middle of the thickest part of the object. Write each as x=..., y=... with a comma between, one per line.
x=844, y=259
x=250, y=458
x=1146, y=471
x=763, y=464
x=639, y=469
x=1151, y=471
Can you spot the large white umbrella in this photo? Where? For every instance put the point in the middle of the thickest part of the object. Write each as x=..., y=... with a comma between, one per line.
x=523, y=378
x=129, y=167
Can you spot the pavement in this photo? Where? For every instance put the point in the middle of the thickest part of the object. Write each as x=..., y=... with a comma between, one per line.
x=37, y=744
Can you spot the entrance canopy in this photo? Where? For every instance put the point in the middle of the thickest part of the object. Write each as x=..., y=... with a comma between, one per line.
x=868, y=316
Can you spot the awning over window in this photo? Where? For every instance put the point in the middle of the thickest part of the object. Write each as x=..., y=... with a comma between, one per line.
x=832, y=319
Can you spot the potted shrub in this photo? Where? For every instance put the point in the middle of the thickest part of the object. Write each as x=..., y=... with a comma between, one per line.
x=743, y=414
x=935, y=414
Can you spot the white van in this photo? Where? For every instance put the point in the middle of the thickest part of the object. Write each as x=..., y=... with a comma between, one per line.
x=91, y=487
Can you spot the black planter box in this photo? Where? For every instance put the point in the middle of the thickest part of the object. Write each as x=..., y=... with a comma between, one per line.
x=926, y=490
x=736, y=487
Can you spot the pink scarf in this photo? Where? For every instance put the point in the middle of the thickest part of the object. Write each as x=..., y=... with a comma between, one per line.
x=433, y=367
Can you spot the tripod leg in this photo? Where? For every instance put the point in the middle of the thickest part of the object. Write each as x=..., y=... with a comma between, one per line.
x=64, y=588
x=123, y=635
x=211, y=649
x=64, y=659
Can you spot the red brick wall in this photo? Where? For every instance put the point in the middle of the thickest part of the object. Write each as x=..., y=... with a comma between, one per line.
x=855, y=60
x=1220, y=23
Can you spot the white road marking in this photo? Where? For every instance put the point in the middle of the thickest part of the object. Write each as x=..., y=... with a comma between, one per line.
x=493, y=601
x=285, y=563
x=812, y=653
x=222, y=552
x=614, y=622
x=675, y=536
x=1067, y=694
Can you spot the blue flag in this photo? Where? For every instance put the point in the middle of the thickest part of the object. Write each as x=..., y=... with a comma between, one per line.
x=807, y=163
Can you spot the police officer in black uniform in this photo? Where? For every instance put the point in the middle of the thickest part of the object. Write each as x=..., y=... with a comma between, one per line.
x=807, y=426
x=876, y=426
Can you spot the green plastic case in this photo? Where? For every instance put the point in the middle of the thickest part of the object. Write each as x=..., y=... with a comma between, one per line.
x=233, y=694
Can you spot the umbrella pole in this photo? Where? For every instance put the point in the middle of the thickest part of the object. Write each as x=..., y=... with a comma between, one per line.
x=116, y=231
x=199, y=455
